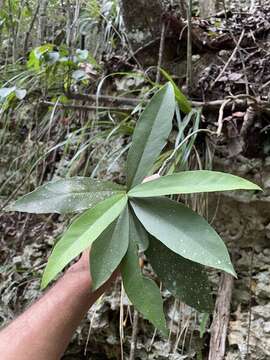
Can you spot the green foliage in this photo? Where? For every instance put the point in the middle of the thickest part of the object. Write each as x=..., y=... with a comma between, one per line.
x=142, y=236
x=9, y=94
x=40, y=55
x=183, y=231
x=82, y=233
x=66, y=196
x=59, y=61
x=182, y=101
x=109, y=249
x=150, y=135
x=177, y=241
x=142, y=292
x=191, y=182
x=185, y=279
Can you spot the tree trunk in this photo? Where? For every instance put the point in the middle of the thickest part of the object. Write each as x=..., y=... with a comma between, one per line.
x=42, y=22
x=221, y=318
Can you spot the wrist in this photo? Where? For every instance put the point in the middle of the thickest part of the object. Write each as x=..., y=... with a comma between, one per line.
x=79, y=280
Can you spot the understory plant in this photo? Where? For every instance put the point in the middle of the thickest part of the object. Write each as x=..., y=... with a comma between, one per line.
x=122, y=223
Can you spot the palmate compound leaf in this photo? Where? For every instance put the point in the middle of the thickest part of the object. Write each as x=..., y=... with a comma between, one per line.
x=65, y=196
x=150, y=134
x=82, y=233
x=109, y=249
x=188, y=182
x=185, y=279
x=143, y=293
x=183, y=231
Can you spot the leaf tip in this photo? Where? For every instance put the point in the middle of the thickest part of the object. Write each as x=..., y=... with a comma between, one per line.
x=94, y=286
x=46, y=279
x=44, y=283
x=232, y=272
x=257, y=187
x=9, y=208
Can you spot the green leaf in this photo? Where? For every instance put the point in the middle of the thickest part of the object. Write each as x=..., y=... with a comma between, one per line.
x=183, y=231
x=183, y=102
x=52, y=57
x=185, y=279
x=20, y=93
x=138, y=232
x=79, y=75
x=203, y=324
x=82, y=54
x=190, y=182
x=109, y=249
x=142, y=292
x=65, y=196
x=82, y=233
x=150, y=135
x=37, y=54
x=6, y=91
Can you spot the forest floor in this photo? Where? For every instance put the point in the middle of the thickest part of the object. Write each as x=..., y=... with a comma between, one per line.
x=231, y=81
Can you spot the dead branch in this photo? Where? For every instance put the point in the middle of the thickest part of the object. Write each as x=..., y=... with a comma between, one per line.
x=86, y=107
x=230, y=59
x=220, y=117
x=221, y=318
x=116, y=100
x=133, y=344
x=239, y=102
x=161, y=50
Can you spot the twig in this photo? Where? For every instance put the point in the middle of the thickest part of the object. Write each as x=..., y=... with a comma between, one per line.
x=250, y=304
x=121, y=321
x=133, y=344
x=84, y=107
x=25, y=48
x=241, y=100
x=220, y=116
x=189, y=46
x=143, y=47
x=104, y=98
x=161, y=50
x=230, y=58
x=182, y=331
x=167, y=161
x=91, y=324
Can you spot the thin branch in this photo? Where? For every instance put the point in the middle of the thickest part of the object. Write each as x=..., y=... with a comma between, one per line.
x=84, y=107
x=116, y=100
x=25, y=48
x=189, y=47
x=250, y=304
x=161, y=51
x=220, y=116
x=230, y=58
x=133, y=344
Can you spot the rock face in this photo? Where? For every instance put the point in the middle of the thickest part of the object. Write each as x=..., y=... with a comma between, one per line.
x=142, y=22
x=243, y=221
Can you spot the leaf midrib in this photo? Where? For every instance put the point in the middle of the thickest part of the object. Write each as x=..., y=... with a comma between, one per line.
x=146, y=145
